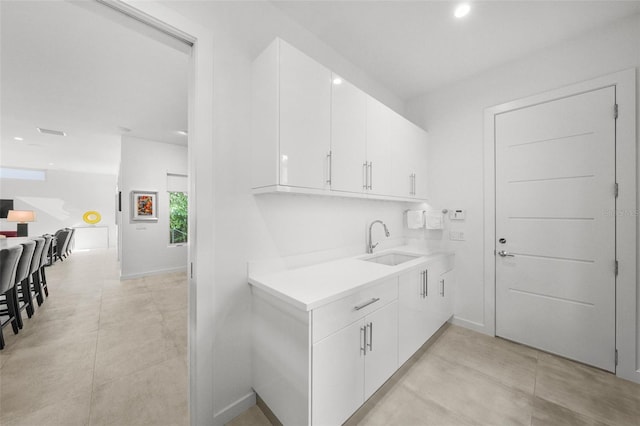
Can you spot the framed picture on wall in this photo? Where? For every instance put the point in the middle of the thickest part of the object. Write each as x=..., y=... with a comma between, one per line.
x=144, y=205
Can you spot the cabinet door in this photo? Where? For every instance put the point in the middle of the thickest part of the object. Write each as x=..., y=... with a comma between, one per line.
x=379, y=146
x=419, y=161
x=446, y=287
x=412, y=320
x=401, y=170
x=348, y=125
x=338, y=375
x=305, y=120
x=381, y=360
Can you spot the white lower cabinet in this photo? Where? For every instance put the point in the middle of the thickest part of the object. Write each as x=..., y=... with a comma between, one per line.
x=318, y=367
x=425, y=303
x=351, y=364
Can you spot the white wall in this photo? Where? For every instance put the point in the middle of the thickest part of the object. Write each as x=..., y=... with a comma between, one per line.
x=145, y=246
x=454, y=117
x=61, y=200
x=253, y=228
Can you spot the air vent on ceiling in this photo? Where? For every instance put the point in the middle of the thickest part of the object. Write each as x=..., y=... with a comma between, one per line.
x=51, y=132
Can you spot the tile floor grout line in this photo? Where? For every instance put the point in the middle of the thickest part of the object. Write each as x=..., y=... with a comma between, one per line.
x=95, y=356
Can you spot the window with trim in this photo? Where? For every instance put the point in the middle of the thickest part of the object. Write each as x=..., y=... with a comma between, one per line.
x=178, y=217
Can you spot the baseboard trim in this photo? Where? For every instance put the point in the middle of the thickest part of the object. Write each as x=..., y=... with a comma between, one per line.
x=234, y=409
x=267, y=411
x=471, y=325
x=152, y=273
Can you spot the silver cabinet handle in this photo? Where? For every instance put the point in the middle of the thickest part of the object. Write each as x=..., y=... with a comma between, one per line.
x=426, y=283
x=363, y=340
x=365, y=183
x=503, y=253
x=370, y=175
x=422, y=284
x=442, y=287
x=365, y=304
x=370, y=342
x=329, y=168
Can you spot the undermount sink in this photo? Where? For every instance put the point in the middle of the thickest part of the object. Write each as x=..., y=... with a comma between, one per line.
x=392, y=259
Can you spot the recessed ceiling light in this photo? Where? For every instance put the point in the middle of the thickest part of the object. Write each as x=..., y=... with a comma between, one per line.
x=18, y=138
x=51, y=132
x=337, y=80
x=462, y=10
x=182, y=132
x=51, y=164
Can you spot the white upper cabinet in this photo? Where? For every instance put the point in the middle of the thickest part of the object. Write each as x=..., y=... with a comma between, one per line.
x=408, y=159
x=379, y=146
x=314, y=132
x=401, y=170
x=348, y=137
x=418, y=161
x=291, y=119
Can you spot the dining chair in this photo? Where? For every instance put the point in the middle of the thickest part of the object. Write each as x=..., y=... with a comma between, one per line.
x=9, y=258
x=30, y=287
x=23, y=272
x=44, y=262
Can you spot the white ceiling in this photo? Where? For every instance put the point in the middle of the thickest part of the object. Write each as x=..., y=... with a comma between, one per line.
x=77, y=67
x=413, y=47
x=86, y=70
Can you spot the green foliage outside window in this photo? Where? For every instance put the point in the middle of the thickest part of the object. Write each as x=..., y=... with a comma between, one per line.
x=178, y=217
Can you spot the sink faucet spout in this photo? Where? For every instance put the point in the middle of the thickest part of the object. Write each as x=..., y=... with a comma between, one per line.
x=370, y=245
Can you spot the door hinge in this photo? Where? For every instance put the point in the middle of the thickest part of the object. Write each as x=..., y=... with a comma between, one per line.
x=616, y=357
x=616, y=189
x=616, y=267
x=615, y=111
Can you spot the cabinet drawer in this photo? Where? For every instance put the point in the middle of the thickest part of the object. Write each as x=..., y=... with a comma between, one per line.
x=334, y=316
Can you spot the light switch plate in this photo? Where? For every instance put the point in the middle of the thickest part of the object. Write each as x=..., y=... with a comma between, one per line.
x=457, y=214
x=456, y=235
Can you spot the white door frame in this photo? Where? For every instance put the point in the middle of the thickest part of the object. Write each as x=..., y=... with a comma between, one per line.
x=200, y=162
x=627, y=326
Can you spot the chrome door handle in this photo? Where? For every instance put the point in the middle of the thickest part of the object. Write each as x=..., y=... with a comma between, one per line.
x=370, y=175
x=363, y=340
x=329, y=168
x=365, y=304
x=422, y=284
x=370, y=342
x=442, y=287
x=503, y=253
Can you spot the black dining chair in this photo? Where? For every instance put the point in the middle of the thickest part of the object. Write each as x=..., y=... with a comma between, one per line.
x=23, y=272
x=9, y=258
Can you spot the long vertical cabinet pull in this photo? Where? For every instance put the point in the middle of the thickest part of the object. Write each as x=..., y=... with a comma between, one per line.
x=442, y=287
x=365, y=179
x=370, y=175
x=426, y=283
x=422, y=284
x=329, y=168
x=363, y=340
x=370, y=342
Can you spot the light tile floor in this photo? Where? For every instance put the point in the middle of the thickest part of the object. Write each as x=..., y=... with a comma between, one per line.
x=99, y=351
x=467, y=378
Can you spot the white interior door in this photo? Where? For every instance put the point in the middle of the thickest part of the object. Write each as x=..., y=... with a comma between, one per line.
x=555, y=227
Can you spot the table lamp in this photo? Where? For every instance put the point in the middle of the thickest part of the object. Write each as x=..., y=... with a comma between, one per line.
x=22, y=217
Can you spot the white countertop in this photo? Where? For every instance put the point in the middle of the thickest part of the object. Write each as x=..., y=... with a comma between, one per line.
x=312, y=286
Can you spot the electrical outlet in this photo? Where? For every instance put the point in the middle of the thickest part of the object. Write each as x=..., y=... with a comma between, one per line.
x=456, y=235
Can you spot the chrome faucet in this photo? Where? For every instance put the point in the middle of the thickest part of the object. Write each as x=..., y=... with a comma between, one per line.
x=370, y=245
